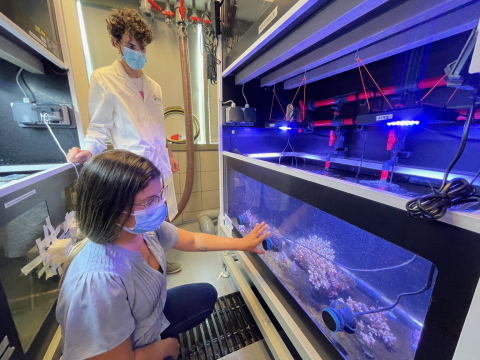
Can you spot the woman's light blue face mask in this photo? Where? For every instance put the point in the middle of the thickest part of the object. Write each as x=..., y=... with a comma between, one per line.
x=152, y=215
x=148, y=222
x=135, y=59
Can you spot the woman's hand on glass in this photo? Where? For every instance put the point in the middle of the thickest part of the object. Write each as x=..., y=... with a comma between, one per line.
x=254, y=238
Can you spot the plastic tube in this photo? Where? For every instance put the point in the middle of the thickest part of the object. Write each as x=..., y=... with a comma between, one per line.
x=205, y=218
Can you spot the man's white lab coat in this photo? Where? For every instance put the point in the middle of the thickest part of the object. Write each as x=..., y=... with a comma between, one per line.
x=118, y=112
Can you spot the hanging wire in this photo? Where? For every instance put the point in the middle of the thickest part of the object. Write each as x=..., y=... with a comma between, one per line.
x=378, y=87
x=304, y=79
x=451, y=97
x=434, y=86
x=293, y=150
x=273, y=99
x=304, y=94
x=363, y=153
x=275, y=94
x=363, y=83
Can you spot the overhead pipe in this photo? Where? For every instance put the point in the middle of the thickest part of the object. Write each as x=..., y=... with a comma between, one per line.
x=195, y=18
x=389, y=90
x=168, y=13
x=464, y=112
x=334, y=122
x=187, y=103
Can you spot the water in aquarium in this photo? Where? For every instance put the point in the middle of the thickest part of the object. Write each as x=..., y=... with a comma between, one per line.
x=346, y=279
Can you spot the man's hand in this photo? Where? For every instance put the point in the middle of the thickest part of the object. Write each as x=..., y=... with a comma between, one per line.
x=174, y=164
x=77, y=156
x=252, y=240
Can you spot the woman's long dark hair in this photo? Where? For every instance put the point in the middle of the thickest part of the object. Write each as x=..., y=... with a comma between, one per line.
x=106, y=189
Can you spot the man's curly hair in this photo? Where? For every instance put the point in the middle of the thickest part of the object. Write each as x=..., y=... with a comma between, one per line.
x=129, y=21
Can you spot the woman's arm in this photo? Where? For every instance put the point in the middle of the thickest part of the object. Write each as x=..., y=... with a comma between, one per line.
x=159, y=350
x=189, y=241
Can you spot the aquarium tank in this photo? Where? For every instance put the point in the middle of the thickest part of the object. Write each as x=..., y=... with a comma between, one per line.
x=368, y=296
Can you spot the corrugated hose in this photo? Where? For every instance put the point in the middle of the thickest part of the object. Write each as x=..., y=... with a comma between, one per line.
x=187, y=104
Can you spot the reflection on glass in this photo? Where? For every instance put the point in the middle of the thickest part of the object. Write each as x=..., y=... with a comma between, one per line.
x=30, y=299
x=345, y=278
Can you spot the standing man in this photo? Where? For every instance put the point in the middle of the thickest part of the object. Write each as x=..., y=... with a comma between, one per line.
x=126, y=107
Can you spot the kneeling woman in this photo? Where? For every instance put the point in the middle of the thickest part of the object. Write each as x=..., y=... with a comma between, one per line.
x=114, y=303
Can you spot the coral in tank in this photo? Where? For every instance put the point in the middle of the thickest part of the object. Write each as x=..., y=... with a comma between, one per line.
x=316, y=255
x=375, y=325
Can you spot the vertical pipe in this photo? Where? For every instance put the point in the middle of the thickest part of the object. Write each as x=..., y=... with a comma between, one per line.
x=187, y=104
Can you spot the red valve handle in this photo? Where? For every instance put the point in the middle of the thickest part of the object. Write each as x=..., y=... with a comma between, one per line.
x=182, y=9
x=155, y=5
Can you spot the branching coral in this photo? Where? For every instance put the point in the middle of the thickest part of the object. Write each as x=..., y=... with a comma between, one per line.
x=376, y=324
x=323, y=273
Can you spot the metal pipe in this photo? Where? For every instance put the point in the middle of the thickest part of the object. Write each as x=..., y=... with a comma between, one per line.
x=187, y=105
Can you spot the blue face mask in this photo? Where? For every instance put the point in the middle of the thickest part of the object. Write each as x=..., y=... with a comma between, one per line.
x=135, y=59
x=145, y=222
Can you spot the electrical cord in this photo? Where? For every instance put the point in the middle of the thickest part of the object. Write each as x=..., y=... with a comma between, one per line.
x=456, y=192
x=43, y=117
x=427, y=287
x=355, y=269
x=20, y=75
x=18, y=82
x=210, y=46
x=363, y=153
x=246, y=101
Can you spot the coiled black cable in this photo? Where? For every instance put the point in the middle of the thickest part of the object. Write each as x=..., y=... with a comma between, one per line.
x=456, y=192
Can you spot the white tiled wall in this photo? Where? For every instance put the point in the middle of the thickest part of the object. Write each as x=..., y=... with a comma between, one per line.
x=205, y=194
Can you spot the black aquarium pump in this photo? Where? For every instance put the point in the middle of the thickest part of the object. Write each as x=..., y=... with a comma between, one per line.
x=272, y=243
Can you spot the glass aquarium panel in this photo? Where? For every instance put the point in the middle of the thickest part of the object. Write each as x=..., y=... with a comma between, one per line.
x=337, y=272
x=30, y=298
